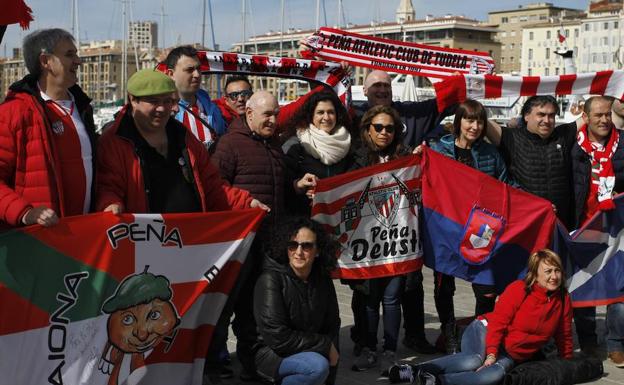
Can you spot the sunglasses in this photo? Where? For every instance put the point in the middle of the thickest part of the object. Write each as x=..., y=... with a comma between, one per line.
x=379, y=127
x=245, y=94
x=292, y=246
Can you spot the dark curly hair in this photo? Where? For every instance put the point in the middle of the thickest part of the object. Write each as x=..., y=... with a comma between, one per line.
x=394, y=149
x=288, y=228
x=303, y=117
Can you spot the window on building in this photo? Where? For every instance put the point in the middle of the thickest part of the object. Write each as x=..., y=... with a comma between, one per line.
x=557, y=71
x=586, y=27
x=615, y=25
x=530, y=72
x=547, y=34
x=567, y=33
x=546, y=71
x=502, y=60
x=605, y=41
x=547, y=53
x=514, y=19
x=523, y=18
x=530, y=53
x=512, y=33
x=576, y=32
x=605, y=26
x=511, y=59
x=503, y=34
x=512, y=46
x=505, y=20
x=530, y=35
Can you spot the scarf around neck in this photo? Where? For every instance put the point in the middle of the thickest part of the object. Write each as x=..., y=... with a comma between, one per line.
x=328, y=148
x=601, y=164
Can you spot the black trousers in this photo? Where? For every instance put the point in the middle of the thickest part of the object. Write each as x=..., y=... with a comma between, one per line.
x=413, y=304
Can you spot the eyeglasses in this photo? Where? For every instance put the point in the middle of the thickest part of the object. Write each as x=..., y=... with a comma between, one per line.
x=292, y=246
x=379, y=127
x=245, y=94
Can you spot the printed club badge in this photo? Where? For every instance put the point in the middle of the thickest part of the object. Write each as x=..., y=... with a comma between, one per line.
x=481, y=234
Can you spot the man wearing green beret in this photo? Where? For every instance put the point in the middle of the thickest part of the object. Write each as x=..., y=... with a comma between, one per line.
x=150, y=163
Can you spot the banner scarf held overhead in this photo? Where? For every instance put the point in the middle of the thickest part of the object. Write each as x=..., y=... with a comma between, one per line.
x=395, y=56
x=456, y=89
x=328, y=73
x=373, y=212
x=108, y=299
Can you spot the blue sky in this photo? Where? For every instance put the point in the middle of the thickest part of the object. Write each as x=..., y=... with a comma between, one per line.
x=101, y=19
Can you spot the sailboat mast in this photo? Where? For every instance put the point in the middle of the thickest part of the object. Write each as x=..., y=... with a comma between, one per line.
x=244, y=25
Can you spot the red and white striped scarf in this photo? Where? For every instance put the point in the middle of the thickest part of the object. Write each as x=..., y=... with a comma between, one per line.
x=456, y=89
x=328, y=73
x=603, y=183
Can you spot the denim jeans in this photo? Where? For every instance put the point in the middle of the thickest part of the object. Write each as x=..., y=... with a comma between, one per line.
x=615, y=327
x=387, y=291
x=305, y=368
x=460, y=368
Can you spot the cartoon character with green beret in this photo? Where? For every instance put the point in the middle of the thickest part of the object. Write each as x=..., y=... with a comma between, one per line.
x=141, y=316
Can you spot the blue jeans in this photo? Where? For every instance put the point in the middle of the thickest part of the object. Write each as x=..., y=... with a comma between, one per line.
x=305, y=368
x=460, y=368
x=615, y=327
x=388, y=291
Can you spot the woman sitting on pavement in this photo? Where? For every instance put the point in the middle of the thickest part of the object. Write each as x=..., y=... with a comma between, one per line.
x=466, y=144
x=528, y=314
x=296, y=308
x=319, y=147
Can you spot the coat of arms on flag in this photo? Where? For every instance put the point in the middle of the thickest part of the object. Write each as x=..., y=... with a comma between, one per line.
x=374, y=214
x=481, y=234
x=106, y=300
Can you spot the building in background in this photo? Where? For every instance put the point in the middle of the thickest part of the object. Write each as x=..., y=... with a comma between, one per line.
x=510, y=24
x=143, y=34
x=448, y=31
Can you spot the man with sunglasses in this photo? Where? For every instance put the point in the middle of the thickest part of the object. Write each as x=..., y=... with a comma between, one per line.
x=237, y=91
x=47, y=136
x=196, y=111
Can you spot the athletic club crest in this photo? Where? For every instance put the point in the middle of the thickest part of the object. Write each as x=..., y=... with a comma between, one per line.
x=384, y=204
x=58, y=128
x=478, y=65
x=481, y=235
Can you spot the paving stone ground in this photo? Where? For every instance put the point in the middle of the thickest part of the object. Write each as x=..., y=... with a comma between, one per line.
x=464, y=307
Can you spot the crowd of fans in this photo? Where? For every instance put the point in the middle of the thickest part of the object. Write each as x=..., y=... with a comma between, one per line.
x=172, y=149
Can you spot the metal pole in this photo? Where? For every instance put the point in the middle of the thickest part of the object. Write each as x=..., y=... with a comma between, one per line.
x=318, y=13
x=282, y=31
x=203, y=39
x=339, y=13
x=244, y=31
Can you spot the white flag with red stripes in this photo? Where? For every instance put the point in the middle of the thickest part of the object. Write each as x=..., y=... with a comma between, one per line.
x=104, y=299
x=456, y=89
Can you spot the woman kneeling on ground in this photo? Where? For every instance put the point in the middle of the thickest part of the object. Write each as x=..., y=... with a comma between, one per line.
x=526, y=316
x=295, y=307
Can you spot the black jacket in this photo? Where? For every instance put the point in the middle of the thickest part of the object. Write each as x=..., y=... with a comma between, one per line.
x=581, y=175
x=555, y=372
x=420, y=119
x=542, y=166
x=299, y=162
x=293, y=316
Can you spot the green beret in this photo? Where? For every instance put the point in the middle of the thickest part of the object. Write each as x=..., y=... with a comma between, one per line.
x=149, y=82
x=138, y=289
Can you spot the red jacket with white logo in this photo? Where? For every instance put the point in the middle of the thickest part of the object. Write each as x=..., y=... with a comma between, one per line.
x=28, y=177
x=120, y=177
x=523, y=322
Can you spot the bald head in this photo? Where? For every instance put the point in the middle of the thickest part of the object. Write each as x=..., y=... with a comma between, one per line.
x=261, y=112
x=378, y=88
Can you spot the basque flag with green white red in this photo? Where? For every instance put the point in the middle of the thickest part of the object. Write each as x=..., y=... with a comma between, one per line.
x=373, y=212
x=129, y=299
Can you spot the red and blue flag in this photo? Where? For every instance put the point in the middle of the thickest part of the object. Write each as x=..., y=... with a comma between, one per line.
x=479, y=229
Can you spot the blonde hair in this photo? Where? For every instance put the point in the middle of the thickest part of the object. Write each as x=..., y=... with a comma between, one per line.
x=550, y=258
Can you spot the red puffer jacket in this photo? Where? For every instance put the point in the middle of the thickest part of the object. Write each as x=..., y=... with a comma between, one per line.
x=523, y=322
x=120, y=177
x=28, y=177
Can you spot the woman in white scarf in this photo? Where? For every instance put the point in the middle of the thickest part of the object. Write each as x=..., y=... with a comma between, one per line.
x=320, y=146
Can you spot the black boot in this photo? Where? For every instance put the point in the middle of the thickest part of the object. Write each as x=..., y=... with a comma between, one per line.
x=451, y=343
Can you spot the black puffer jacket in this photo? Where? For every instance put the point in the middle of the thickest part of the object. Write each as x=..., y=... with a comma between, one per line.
x=542, y=166
x=293, y=316
x=581, y=168
x=555, y=372
x=252, y=163
x=300, y=162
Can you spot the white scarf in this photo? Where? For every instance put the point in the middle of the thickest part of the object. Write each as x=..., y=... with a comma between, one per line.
x=328, y=148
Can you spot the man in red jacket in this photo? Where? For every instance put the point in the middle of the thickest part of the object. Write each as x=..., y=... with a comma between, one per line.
x=46, y=136
x=149, y=162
